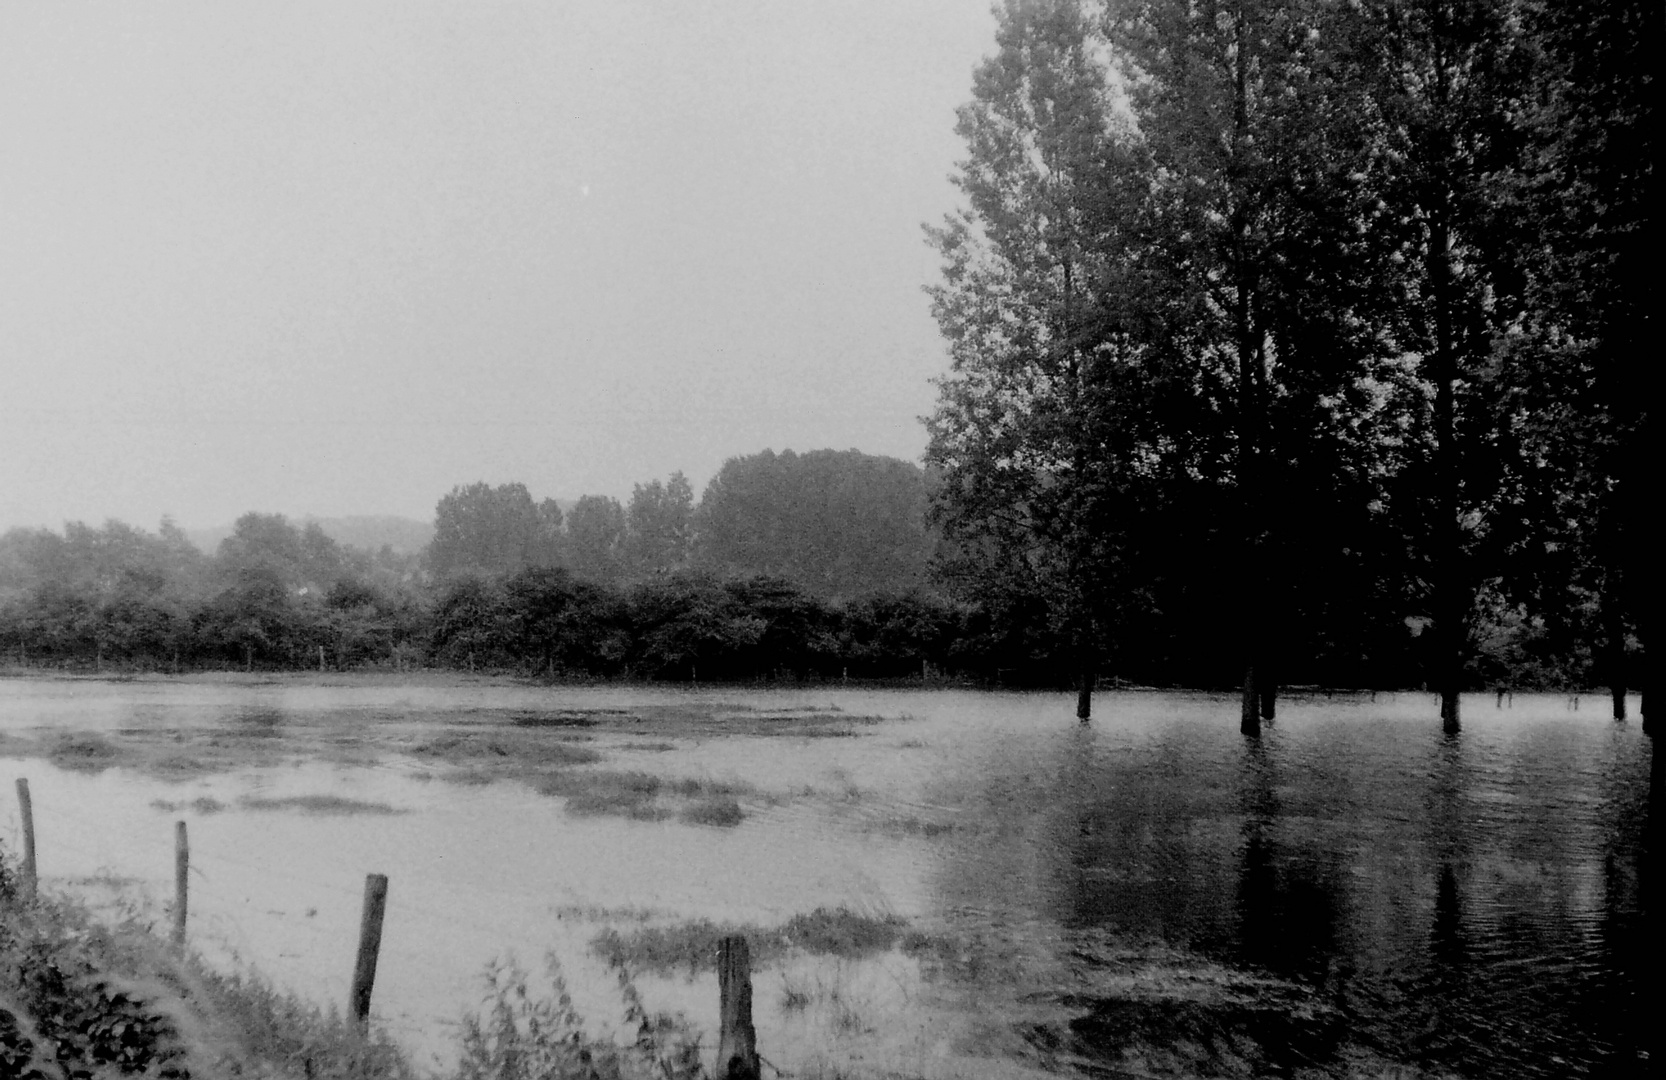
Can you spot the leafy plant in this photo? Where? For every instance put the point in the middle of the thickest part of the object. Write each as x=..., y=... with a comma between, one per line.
x=521, y=1035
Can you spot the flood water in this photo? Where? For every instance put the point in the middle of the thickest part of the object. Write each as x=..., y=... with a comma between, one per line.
x=1472, y=904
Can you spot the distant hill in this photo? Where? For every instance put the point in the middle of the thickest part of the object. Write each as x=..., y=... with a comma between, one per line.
x=404, y=535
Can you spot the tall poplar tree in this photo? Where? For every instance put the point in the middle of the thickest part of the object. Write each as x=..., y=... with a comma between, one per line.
x=1592, y=191
x=1037, y=429
x=1449, y=78
x=1250, y=109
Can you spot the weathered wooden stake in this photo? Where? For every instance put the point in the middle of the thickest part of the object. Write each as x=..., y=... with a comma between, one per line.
x=370, y=943
x=27, y=810
x=737, y=1040
x=182, y=867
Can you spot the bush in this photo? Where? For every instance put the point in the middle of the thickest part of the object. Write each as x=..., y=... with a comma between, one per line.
x=525, y=1036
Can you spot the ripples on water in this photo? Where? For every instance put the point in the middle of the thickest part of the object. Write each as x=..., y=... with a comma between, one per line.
x=1473, y=903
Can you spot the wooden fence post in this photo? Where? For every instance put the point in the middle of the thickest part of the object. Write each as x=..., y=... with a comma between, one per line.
x=737, y=1040
x=27, y=811
x=370, y=943
x=182, y=867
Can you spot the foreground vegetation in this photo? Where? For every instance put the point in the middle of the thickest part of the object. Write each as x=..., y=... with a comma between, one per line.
x=80, y=999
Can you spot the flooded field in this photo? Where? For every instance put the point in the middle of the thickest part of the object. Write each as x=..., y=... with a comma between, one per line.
x=945, y=883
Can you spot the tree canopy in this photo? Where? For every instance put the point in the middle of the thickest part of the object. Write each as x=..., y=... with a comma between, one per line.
x=1265, y=341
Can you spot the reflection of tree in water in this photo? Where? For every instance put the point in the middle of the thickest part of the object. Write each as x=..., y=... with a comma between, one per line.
x=1137, y=848
x=1475, y=903
x=1287, y=902
x=1631, y=949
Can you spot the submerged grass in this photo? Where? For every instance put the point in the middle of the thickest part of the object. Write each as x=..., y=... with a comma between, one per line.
x=317, y=804
x=202, y=805
x=592, y=792
x=720, y=810
x=645, y=796
x=692, y=946
x=82, y=751
x=505, y=753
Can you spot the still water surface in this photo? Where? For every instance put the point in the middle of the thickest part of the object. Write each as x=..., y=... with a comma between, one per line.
x=1473, y=904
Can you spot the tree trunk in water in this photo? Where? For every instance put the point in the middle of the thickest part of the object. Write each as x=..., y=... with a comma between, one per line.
x=1449, y=711
x=1614, y=633
x=1249, y=712
x=1451, y=604
x=1251, y=374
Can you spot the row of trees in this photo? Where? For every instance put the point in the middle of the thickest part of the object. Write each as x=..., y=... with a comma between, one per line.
x=280, y=596
x=838, y=523
x=272, y=593
x=1283, y=329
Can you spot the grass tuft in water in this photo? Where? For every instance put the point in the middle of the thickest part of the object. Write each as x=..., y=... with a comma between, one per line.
x=203, y=804
x=692, y=946
x=506, y=752
x=318, y=804
x=595, y=792
x=720, y=810
x=82, y=751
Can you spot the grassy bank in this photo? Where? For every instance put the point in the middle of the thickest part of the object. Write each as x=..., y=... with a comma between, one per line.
x=82, y=1000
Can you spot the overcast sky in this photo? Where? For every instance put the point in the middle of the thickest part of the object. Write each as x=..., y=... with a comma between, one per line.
x=335, y=258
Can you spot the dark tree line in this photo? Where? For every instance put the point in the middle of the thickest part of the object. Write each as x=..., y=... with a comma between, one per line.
x=278, y=596
x=1303, y=340
x=791, y=565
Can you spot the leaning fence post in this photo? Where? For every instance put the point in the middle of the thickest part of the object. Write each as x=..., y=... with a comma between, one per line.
x=737, y=1040
x=182, y=866
x=27, y=811
x=370, y=943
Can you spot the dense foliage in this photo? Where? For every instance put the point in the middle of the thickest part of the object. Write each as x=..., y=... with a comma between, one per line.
x=785, y=560
x=1301, y=340
x=278, y=596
